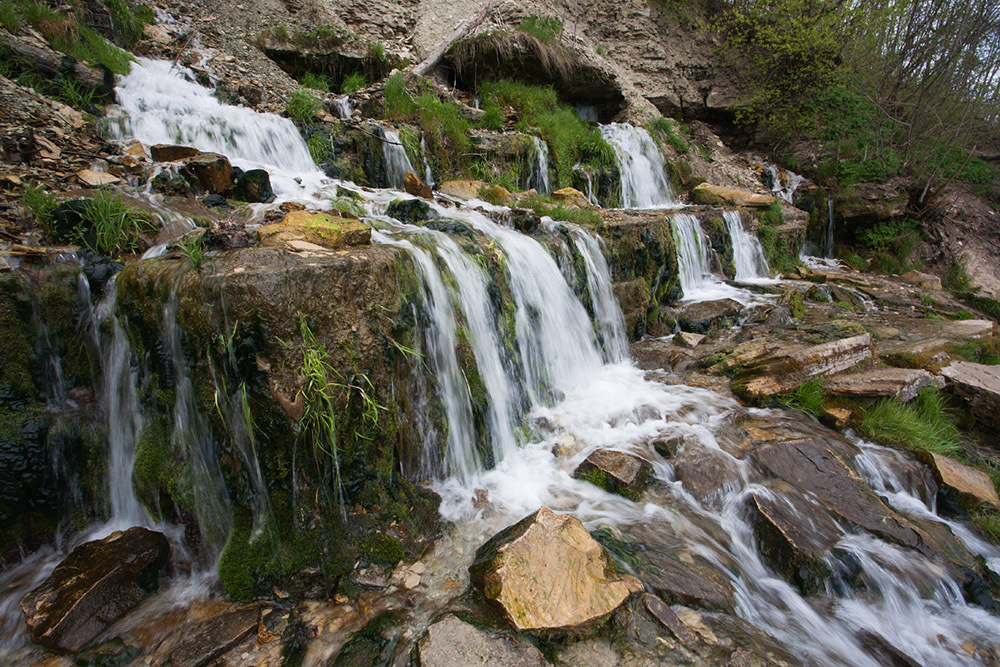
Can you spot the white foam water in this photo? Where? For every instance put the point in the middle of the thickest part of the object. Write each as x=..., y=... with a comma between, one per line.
x=643, y=171
x=748, y=256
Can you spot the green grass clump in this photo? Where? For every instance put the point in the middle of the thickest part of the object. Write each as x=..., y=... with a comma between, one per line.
x=924, y=424
x=9, y=17
x=319, y=146
x=543, y=205
x=667, y=130
x=128, y=24
x=353, y=83
x=808, y=398
x=315, y=82
x=397, y=103
x=117, y=225
x=543, y=28
x=984, y=351
x=302, y=105
x=41, y=205
x=445, y=130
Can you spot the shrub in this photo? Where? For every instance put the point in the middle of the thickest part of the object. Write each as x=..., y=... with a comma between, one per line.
x=302, y=105
x=925, y=423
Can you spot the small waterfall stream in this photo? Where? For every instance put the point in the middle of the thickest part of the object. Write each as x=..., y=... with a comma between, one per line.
x=748, y=256
x=539, y=177
x=397, y=162
x=643, y=171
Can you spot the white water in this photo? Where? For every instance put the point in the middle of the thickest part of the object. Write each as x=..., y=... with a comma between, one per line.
x=397, y=162
x=643, y=171
x=610, y=322
x=748, y=256
x=344, y=106
x=539, y=178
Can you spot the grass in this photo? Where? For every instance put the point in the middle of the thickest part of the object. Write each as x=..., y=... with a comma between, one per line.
x=302, y=105
x=319, y=421
x=353, y=83
x=9, y=17
x=41, y=205
x=667, y=131
x=315, y=82
x=545, y=206
x=808, y=398
x=445, y=129
x=984, y=351
x=117, y=225
x=319, y=146
x=924, y=424
x=543, y=28
x=194, y=249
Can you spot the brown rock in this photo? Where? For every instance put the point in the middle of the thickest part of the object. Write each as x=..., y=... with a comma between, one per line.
x=209, y=641
x=784, y=371
x=839, y=418
x=616, y=472
x=451, y=642
x=212, y=171
x=920, y=279
x=170, y=152
x=925, y=353
x=978, y=386
x=319, y=229
x=135, y=149
x=98, y=583
x=964, y=329
x=417, y=187
x=720, y=195
x=94, y=179
x=694, y=583
x=461, y=189
x=706, y=472
x=900, y=383
x=547, y=573
x=703, y=316
x=688, y=339
x=570, y=197
x=973, y=486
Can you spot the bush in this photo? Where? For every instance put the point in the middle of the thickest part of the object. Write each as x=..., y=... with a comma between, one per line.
x=895, y=245
x=302, y=105
x=925, y=424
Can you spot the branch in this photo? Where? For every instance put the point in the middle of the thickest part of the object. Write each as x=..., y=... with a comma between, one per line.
x=460, y=33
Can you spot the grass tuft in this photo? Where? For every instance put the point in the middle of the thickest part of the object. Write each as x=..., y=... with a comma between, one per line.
x=41, y=205
x=302, y=105
x=808, y=398
x=353, y=83
x=924, y=424
x=545, y=206
x=117, y=224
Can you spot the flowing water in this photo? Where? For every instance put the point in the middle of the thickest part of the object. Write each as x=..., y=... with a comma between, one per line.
x=397, y=162
x=643, y=171
x=539, y=177
x=748, y=256
x=559, y=376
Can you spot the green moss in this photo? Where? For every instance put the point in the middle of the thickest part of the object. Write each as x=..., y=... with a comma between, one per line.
x=383, y=550
x=15, y=353
x=595, y=476
x=797, y=304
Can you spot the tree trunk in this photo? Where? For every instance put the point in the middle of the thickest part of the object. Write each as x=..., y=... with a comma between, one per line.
x=460, y=33
x=56, y=66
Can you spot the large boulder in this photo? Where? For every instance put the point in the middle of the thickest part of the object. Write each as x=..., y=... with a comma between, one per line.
x=784, y=370
x=972, y=486
x=720, y=195
x=616, y=472
x=451, y=642
x=254, y=186
x=547, y=573
x=212, y=171
x=461, y=189
x=978, y=385
x=98, y=583
x=701, y=317
x=320, y=229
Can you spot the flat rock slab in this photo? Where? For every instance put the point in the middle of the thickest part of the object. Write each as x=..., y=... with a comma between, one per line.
x=316, y=228
x=706, y=472
x=720, y=195
x=547, y=573
x=616, y=472
x=170, y=152
x=978, y=386
x=702, y=317
x=214, y=638
x=785, y=371
x=900, y=383
x=694, y=584
x=973, y=486
x=98, y=583
x=923, y=353
x=963, y=329
x=688, y=339
x=451, y=642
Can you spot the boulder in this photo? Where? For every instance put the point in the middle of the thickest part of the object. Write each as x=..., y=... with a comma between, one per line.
x=702, y=317
x=210, y=640
x=254, y=186
x=171, y=153
x=98, y=583
x=720, y=195
x=615, y=472
x=451, y=642
x=688, y=339
x=570, y=197
x=705, y=472
x=461, y=189
x=416, y=187
x=903, y=384
x=95, y=179
x=920, y=279
x=793, y=535
x=973, y=487
x=318, y=229
x=412, y=211
x=211, y=170
x=693, y=583
x=924, y=353
x=978, y=386
x=785, y=370
x=547, y=573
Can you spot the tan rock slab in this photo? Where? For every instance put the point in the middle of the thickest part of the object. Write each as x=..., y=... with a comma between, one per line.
x=924, y=353
x=968, y=328
x=978, y=386
x=451, y=642
x=720, y=195
x=973, y=486
x=171, y=152
x=416, y=187
x=784, y=371
x=839, y=418
x=316, y=228
x=94, y=179
x=688, y=339
x=461, y=189
x=570, y=197
x=547, y=573
x=920, y=279
x=900, y=383
x=616, y=472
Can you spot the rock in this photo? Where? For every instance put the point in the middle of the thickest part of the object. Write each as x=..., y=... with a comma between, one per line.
x=98, y=583
x=316, y=228
x=837, y=418
x=416, y=187
x=973, y=486
x=666, y=617
x=171, y=153
x=451, y=642
x=666, y=445
x=94, y=179
x=920, y=279
x=208, y=641
x=570, y=197
x=694, y=584
x=135, y=149
x=902, y=384
x=615, y=472
x=547, y=573
x=701, y=317
x=978, y=386
x=461, y=189
x=688, y=339
x=254, y=186
x=794, y=535
x=874, y=201
x=925, y=353
x=705, y=472
x=784, y=371
x=211, y=170
x=964, y=329
x=720, y=195
x=412, y=211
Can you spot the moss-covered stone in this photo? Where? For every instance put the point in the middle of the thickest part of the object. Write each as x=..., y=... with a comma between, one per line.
x=316, y=228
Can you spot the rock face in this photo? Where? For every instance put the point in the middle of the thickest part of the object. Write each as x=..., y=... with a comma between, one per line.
x=416, y=187
x=547, y=573
x=210, y=640
x=719, y=195
x=171, y=153
x=453, y=643
x=784, y=371
x=316, y=228
x=972, y=486
x=978, y=386
x=211, y=170
x=900, y=383
x=617, y=472
x=461, y=189
x=98, y=583
x=703, y=316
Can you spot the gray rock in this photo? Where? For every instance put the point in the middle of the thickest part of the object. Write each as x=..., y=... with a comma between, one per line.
x=616, y=472
x=902, y=384
x=978, y=386
x=451, y=642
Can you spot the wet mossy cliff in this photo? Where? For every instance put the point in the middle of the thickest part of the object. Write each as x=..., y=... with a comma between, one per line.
x=315, y=477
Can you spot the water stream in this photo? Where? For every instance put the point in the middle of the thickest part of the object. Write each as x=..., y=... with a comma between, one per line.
x=643, y=171
x=397, y=162
x=748, y=256
x=539, y=177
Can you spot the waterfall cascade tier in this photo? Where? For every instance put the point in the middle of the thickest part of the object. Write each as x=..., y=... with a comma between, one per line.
x=397, y=162
x=539, y=178
x=643, y=171
x=748, y=256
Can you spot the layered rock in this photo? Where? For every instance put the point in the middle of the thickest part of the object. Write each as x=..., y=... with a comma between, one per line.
x=316, y=229
x=783, y=371
x=547, y=573
x=451, y=642
x=971, y=486
x=617, y=472
x=978, y=386
x=98, y=583
x=903, y=384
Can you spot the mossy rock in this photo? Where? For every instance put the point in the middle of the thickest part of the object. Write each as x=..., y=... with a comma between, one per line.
x=316, y=228
x=412, y=211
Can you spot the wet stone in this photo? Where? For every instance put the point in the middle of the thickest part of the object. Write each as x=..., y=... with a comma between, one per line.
x=254, y=186
x=98, y=583
x=212, y=171
x=416, y=187
x=687, y=339
x=451, y=642
x=972, y=486
x=694, y=584
x=706, y=472
x=978, y=386
x=903, y=384
x=171, y=153
x=412, y=211
x=615, y=472
x=212, y=639
x=702, y=317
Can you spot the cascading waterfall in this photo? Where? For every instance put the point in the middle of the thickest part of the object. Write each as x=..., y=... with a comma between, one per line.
x=692, y=254
x=643, y=171
x=428, y=174
x=539, y=178
x=344, y=106
x=607, y=312
x=748, y=256
x=397, y=162
x=828, y=247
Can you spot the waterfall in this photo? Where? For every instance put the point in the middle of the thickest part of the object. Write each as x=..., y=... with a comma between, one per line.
x=610, y=322
x=692, y=253
x=588, y=181
x=428, y=174
x=397, y=162
x=344, y=106
x=643, y=172
x=539, y=178
x=828, y=248
x=748, y=256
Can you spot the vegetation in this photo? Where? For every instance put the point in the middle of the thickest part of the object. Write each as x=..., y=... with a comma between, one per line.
x=445, y=129
x=543, y=28
x=41, y=205
x=894, y=246
x=315, y=81
x=808, y=398
x=116, y=224
x=302, y=105
x=668, y=131
x=353, y=83
x=543, y=205
x=925, y=424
